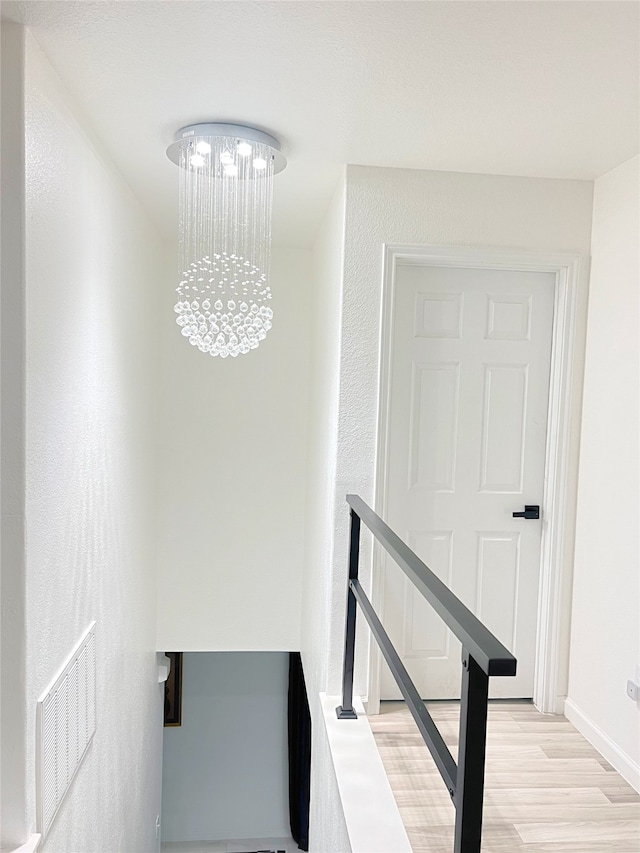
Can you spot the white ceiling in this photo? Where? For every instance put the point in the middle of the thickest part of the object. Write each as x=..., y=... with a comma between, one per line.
x=517, y=88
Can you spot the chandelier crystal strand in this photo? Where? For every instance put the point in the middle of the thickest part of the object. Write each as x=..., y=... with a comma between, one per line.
x=226, y=187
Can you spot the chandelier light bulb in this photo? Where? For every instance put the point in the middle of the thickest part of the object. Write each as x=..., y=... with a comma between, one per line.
x=223, y=305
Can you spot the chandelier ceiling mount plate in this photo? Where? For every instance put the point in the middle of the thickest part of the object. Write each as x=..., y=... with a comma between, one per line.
x=229, y=131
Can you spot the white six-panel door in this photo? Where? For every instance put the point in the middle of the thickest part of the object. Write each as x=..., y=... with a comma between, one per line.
x=469, y=388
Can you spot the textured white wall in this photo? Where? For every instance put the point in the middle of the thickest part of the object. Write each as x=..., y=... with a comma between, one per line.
x=13, y=825
x=605, y=635
x=232, y=480
x=395, y=206
x=327, y=828
x=225, y=769
x=93, y=270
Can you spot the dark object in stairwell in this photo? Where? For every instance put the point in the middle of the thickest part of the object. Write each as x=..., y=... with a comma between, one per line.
x=173, y=691
x=299, y=753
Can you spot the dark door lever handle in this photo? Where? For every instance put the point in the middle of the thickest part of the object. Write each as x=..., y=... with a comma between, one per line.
x=530, y=511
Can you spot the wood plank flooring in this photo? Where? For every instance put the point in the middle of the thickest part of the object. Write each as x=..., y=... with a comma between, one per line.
x=547, y=790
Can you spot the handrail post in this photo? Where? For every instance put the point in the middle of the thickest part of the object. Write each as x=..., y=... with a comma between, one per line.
x=345, y=711
x=471, y=754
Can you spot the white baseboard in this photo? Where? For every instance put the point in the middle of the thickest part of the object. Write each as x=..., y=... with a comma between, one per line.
x=29, y=846
x=618, y=759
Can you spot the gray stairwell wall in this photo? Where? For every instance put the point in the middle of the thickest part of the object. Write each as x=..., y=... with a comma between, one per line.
x=225, y=768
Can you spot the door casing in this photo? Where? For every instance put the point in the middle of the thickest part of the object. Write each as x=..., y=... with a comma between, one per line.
x=552, y=639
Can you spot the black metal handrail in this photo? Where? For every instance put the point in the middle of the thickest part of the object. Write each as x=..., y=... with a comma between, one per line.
x=482, y=655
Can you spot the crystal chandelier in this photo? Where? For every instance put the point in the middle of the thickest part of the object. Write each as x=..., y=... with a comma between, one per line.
x=226, y=182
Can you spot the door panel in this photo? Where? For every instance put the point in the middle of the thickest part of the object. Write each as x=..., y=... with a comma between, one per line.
x=502, y=455
x=425, y=634
x=433, y=429
x=468, y=403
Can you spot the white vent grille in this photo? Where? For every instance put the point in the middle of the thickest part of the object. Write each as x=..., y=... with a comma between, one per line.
x=66, y=722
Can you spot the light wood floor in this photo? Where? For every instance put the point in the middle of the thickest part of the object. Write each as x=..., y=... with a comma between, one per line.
x=547, y=790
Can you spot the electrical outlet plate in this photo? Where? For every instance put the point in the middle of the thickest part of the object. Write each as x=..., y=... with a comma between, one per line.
x=632, y=690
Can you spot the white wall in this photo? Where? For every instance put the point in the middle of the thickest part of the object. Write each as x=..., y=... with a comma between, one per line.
x=13, y=824
x=225, y=769
x=93, y=270
x=232, y=480
x=327, y=829
x=605, y=636
x=398, y=206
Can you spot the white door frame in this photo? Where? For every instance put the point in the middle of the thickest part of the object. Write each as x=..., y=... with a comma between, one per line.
x=552, y=641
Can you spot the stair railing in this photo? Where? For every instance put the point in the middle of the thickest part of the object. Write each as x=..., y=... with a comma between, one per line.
x=482, y=655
